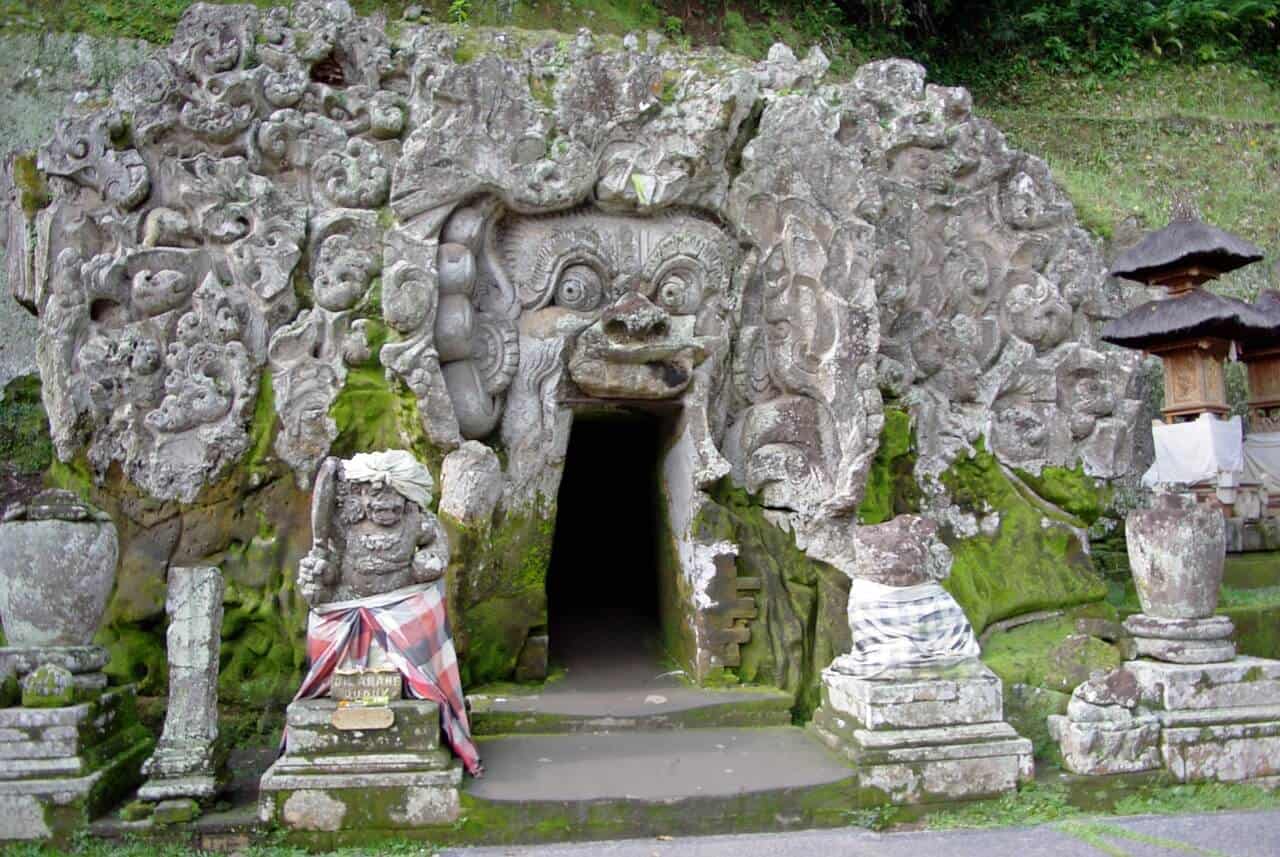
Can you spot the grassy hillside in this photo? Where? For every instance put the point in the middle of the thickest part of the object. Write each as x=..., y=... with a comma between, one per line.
x=1123, y=124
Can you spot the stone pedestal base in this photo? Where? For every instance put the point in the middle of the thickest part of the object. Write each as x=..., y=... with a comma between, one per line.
x=334, y=779
x=60, y=767
x=1201, y=722
x=1218, y=721
x=1102, y=747
x=1182, y=641
x=924, y=735
x=85, y=663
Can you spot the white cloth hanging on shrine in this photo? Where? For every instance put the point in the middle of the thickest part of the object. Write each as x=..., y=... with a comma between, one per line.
x=1262, y=459
x=1198, y=451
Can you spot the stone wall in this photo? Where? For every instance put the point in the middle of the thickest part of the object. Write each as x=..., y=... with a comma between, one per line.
x=290, y=234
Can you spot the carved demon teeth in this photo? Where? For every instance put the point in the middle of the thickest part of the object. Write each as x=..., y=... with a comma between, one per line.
x=691, y=352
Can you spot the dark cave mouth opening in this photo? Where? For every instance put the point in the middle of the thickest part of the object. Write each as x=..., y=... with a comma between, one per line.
x=603, y=584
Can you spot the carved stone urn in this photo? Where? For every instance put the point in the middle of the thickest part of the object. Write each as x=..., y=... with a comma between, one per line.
x=1177, y=549
x=57, y=567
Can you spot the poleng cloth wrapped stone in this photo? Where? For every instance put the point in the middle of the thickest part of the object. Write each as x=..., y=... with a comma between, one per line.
x=395, y=467
x=413, y=628
x=906, y=626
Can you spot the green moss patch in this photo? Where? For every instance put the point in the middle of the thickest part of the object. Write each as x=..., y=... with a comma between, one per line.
x=1031, y=561
x=33, y=190
x=373, y=413
x=498, y=587
x=1252, y=570
x=891, y=486
x=1048, y=654
x=24, y=426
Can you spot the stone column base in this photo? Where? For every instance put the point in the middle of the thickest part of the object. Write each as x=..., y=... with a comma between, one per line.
x=332, y=778
x=1219, y=721
x=1182, y=641
x=1201, y=722
x=925, y=735
x=61, y=767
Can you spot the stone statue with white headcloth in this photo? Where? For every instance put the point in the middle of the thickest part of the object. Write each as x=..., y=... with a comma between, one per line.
x=374, y=580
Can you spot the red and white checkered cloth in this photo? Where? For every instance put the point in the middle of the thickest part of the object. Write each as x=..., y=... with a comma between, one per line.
x=413, y=628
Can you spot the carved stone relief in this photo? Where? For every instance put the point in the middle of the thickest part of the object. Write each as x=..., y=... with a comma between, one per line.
x=763, y=253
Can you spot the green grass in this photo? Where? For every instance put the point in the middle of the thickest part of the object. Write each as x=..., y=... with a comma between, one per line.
x=1040, y=803
x=1121, y=147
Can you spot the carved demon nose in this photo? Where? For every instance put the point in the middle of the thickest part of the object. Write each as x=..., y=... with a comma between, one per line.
x=633, y=316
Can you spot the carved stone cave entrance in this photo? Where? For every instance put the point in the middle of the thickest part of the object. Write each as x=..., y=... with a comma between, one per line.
x=605, y=587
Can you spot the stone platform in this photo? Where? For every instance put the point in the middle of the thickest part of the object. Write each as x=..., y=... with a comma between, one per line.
x=334, y=779
x=923, y=736
x=1200, y=722
x=1218, y=721
x=60, y=767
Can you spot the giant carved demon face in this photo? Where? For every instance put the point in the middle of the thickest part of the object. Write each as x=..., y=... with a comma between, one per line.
x=642, y=297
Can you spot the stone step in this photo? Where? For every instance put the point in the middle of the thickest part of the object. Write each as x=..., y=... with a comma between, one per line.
x=648, y=783
x=572, y=710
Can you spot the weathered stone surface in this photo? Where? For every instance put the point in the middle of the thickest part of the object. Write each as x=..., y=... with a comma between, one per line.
x=470, y=484
x=1244, y=681
x=1207, y=628
x=372, y=529
x=186, y=747
x=930, y=765
x=99, y=748
x=48, y=686
x=1176, y=552
x=333, y=779
x=1224, y=752
x=966, y=693
x=1185, y=651
x=1098, y=748
x=77, y=660
x=922, y=735
x=753, y=247
x=59, y=559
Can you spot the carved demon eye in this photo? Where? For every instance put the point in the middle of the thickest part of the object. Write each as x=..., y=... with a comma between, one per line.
x=579, y=289
x=679, y=291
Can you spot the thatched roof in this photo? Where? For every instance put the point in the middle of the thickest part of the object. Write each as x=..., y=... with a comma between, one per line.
x=1184, y=243
x=1196, y=313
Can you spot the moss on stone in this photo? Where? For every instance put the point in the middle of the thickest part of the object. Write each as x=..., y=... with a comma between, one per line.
x=1029, y=562
x=24, y=426
x=374, y=413
x=33, y=190
x=891, y=486
x=1048, y=654
x=137, y=655
x=497, y=586
x=1071, y=490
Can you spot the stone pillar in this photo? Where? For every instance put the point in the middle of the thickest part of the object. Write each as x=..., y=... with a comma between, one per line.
x=1176, y=551
x=184, y=767
x=1187, y=704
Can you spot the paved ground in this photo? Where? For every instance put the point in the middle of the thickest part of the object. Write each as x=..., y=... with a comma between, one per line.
x=612, y=669
x=652, y=765
x=1226, y=834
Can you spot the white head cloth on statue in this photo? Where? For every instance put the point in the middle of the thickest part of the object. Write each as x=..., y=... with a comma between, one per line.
x=396, y=468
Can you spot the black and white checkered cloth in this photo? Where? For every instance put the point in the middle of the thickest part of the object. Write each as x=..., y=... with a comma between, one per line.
x=910, y=626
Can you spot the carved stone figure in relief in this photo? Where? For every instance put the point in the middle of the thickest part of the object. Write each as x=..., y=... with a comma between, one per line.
x=373, y=531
